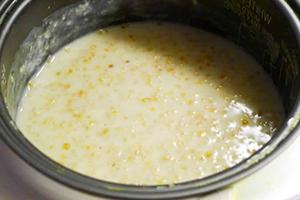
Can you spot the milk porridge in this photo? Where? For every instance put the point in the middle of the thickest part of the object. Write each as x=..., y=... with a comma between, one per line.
x=150, y=103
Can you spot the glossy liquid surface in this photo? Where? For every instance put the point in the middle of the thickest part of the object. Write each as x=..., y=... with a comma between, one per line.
x=150, y=103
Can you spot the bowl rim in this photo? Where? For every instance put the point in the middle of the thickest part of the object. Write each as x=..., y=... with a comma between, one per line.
x=10, y=134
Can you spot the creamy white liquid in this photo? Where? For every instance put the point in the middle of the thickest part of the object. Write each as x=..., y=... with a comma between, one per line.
x=150, y=103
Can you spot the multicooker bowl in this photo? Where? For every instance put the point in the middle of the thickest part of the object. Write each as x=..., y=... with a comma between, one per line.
x=31, y=30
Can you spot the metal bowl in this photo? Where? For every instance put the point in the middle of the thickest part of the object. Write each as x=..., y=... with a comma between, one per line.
x=31, y=30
